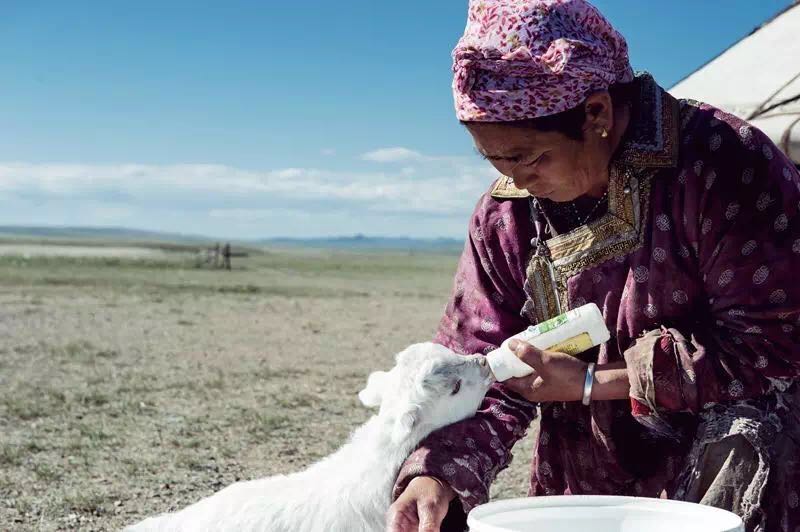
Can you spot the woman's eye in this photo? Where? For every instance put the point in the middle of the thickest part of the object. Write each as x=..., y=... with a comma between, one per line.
x=457, y=387
x=531, y=162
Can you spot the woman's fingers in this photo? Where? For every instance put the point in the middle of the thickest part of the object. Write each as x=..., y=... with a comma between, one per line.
x=431, y=515
x=421, y=507
x=527, y=353
x=401, y=520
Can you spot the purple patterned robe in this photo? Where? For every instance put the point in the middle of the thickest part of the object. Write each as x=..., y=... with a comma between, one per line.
x=692, y=266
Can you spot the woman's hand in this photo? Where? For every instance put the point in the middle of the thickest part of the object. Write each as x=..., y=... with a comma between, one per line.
x=556, y=376
x=421, y=507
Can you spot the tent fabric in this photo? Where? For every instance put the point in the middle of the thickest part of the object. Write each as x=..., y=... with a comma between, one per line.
x=755, y=75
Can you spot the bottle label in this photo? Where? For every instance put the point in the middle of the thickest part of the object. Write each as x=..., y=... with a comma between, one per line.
x=549, y=325
x=573, y=346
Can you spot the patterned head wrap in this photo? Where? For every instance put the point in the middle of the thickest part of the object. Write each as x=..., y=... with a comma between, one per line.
x=523, y=59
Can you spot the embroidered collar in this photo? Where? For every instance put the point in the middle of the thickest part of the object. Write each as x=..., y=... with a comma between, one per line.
x=652, y=135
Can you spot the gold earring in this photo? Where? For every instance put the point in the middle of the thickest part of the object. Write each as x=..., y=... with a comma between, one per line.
x=604, y=134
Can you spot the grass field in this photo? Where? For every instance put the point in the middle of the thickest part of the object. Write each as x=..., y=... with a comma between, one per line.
x=131, y=384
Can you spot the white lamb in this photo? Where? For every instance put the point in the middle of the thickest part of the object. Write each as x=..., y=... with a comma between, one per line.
x=350, y=490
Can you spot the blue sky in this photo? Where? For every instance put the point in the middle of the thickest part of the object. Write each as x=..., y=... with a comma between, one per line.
x=248, y=119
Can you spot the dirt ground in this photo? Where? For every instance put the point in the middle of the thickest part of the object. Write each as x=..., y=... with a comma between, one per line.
x=129, y=387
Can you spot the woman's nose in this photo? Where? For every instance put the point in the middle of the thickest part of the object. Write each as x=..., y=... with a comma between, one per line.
x=504, y=167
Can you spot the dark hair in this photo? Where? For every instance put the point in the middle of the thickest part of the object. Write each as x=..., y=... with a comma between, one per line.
x=570, y=122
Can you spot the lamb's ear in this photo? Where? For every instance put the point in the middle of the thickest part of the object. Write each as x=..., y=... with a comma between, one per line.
x=404, y=424
x=413, y=354
x=372, y=395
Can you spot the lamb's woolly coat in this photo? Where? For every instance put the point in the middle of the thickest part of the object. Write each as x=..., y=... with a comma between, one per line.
x=350, y=490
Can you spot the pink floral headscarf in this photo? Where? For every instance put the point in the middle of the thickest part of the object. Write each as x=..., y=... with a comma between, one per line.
x=528, y=58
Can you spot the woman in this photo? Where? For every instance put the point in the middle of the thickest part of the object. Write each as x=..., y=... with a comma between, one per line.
x=680, y=221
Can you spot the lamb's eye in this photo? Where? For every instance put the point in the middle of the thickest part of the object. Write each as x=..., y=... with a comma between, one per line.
x=456, y=387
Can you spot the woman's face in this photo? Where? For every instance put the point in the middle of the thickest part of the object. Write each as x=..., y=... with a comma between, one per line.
x=550, y=164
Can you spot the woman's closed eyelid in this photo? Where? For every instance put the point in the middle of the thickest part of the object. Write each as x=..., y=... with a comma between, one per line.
x=532, y=161
x=500, y=159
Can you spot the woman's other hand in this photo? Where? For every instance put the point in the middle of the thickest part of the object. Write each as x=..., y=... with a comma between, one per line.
x=421, y=507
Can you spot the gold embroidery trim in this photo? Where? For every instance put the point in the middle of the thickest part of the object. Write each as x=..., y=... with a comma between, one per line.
x=504, y=188
x=616, y=234
x=540, y=285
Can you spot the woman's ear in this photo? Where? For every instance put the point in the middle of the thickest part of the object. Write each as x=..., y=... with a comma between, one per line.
x=599, y=110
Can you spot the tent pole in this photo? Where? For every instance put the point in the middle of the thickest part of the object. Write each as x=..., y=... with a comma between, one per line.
x=786, y=140
x=760, y=109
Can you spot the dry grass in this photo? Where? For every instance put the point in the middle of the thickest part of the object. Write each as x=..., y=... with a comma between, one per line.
x=130, y=387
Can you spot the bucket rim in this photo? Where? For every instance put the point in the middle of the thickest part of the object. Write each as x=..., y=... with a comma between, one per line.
x=728, y=521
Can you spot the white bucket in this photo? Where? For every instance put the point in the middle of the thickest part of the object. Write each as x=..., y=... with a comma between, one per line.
x=598, y=513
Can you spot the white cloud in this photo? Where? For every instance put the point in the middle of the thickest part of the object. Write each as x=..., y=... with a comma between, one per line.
x=110, y=214
x=252, y=215
x=327, y=151
x=182, y=197
x=392, y=155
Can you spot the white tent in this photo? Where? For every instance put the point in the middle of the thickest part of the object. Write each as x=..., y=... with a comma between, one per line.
x=758, y=79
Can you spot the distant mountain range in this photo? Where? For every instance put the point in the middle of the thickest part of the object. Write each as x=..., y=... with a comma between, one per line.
x=366, y=242
x=356, y=242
